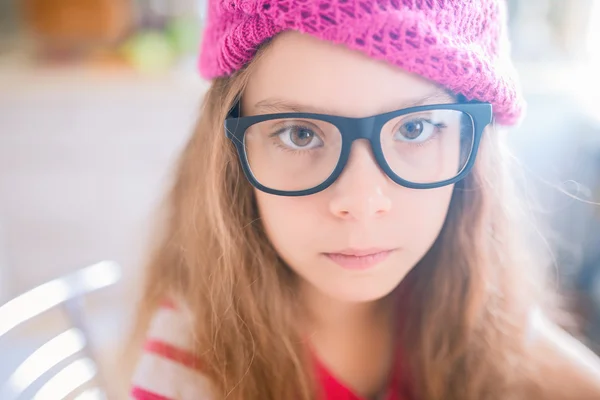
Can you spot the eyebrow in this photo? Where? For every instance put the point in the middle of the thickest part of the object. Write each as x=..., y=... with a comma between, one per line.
x=279, y=105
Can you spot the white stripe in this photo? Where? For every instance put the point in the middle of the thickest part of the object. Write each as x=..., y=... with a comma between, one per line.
x=172, y=327
x=167, y=378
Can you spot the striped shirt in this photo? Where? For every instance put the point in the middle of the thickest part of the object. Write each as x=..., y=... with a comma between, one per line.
x=168, y=371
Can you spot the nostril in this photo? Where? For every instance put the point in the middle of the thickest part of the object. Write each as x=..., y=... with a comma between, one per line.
x=340, y=210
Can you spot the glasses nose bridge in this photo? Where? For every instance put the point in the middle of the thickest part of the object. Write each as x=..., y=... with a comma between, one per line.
x=361, y=128
x=367, y=128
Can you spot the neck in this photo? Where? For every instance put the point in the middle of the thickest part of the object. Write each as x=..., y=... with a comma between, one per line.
x=324, y=313
x=354, y=340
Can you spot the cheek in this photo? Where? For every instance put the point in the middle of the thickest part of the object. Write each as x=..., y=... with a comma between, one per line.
x=288, y=222
x=420, y=214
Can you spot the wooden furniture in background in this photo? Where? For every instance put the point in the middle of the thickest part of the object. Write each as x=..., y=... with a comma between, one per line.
x=78, y=22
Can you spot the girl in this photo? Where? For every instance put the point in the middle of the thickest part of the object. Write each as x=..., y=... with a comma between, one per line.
x=342, y=225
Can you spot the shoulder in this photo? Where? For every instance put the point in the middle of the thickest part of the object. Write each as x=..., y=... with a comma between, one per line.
x=566, y=367
x=168, y=368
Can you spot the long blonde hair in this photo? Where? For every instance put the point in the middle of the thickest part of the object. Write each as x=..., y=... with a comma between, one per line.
x=465, y=305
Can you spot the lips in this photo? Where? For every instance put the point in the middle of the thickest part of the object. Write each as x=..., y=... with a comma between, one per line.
x=359, y=259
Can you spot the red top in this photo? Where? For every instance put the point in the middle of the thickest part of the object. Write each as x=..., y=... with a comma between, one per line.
x=334, y=389
x=169, y=371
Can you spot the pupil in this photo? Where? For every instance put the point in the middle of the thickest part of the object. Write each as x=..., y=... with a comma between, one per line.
x=412, y=130
x=302, y=137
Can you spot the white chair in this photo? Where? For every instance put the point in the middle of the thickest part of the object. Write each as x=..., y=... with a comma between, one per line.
x=64, y=366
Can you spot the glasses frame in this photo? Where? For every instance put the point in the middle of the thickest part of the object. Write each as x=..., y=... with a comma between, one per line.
x=352, y=129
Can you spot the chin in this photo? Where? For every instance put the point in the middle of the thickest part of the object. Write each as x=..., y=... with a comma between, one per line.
x=364, y=293
x=369, y=288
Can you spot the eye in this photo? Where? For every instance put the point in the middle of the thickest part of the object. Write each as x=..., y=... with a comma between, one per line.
x=415, y=131
x=299, y=138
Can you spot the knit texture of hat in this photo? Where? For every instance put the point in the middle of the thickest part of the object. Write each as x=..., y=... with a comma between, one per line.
x=462, y=45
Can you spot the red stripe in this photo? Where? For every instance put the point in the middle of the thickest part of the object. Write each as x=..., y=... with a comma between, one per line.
x=141, y=394
x=172, y=353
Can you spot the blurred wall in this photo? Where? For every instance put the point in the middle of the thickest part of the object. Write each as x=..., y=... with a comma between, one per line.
x=83, y=161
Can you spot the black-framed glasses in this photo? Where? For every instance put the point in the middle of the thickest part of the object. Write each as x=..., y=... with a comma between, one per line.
x=297, y=154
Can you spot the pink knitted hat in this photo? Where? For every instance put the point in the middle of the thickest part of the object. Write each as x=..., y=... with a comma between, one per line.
x=460, y=44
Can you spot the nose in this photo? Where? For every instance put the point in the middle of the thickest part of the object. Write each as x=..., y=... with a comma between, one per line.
x=361, y=191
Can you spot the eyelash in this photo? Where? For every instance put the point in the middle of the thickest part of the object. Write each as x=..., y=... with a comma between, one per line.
x=433, y=137
x=284, y=148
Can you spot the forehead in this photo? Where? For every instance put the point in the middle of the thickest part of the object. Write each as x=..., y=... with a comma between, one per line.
x=303, y=70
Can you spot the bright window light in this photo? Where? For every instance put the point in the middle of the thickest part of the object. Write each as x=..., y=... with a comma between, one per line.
x=593, y=39
x=92, y=394
x=98, y=276
x=32, y=303
x=53, y=293
x=67, y=380
x=44, y=358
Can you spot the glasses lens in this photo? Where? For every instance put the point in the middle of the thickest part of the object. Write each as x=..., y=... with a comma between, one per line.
x=429, y=146
x=292, y=154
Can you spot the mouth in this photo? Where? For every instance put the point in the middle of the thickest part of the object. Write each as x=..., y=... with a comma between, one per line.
x=359, y=259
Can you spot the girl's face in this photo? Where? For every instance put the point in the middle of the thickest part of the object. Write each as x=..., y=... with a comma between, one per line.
x=356, y=240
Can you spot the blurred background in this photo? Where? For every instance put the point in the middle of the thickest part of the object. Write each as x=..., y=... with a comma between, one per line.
x=97, y=97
